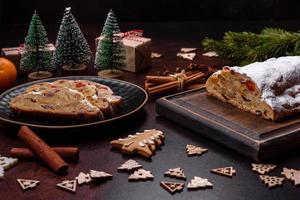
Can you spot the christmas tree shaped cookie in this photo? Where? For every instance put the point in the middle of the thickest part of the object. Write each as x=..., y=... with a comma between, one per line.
x=172, y=187
x=130, y=165
x=197, y=183
x=292, y=174
x=7, y=162
x=140, y=174
x=271, y=181
x=262, y=168
x=100, y=175
x=192, y=150
x=186, y=56
x=288, y=173
x=175, y=173
x=224, y=171
x=27, y=184
x=68, y=185
x=83, y=178
x=187, y=50
x=143, y=143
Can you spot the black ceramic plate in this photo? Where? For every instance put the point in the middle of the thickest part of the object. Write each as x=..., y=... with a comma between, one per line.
x=133, y=96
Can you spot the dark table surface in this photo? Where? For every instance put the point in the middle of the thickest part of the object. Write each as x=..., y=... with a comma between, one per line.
x=95, y=150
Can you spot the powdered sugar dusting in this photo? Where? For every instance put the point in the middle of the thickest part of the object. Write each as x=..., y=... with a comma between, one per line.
x=278, y=79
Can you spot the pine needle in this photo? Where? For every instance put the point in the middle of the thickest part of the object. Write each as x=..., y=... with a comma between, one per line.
x=247, y=47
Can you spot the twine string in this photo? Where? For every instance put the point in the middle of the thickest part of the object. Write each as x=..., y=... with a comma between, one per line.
x=180, y=79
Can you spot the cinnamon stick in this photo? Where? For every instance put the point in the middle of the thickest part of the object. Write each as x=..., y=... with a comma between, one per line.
x=42, y=150
x=159, y=79
x=172, y=86
x=148, y=85
x=70, y=154
x=175, y=82
x=151, y=84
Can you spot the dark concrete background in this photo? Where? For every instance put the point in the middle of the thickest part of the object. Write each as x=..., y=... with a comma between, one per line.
x=91, y=11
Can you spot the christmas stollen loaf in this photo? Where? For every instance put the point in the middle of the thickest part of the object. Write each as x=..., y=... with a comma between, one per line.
x=270, y=89
x=81, y=100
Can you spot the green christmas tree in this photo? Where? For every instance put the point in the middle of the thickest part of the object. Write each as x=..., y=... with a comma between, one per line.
x=36, y=57
x=110, y=51
x=72, y=49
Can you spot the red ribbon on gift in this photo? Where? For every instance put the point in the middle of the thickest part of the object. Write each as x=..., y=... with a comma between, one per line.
x=133, y=35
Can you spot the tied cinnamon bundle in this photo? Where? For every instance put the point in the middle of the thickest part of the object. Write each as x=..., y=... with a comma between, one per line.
x=177, y=82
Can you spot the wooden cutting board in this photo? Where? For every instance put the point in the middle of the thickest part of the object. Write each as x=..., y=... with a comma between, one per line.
x=243, y=132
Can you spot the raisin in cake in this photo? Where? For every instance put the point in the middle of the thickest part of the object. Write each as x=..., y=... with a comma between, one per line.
x=270, y=89
x=72, y=99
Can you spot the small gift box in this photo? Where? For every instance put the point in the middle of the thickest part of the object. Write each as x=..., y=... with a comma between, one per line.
x=14, y=54
x=137, y=50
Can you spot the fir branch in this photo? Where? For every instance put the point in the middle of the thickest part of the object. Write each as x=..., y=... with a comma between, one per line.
x=246, y=47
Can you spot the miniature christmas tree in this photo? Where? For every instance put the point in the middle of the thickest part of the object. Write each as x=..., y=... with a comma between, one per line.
x=36, y=58
x=110, y=51
x=72, y=49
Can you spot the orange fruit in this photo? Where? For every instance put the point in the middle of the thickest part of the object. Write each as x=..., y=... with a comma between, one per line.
x=8, y=74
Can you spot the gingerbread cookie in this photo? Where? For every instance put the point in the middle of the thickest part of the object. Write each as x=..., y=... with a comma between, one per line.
x=197, y=183
x=27, y=184
x=143, y=143
x=175, y=173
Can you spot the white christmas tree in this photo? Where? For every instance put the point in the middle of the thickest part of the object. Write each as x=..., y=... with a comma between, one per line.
x=72, y=49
